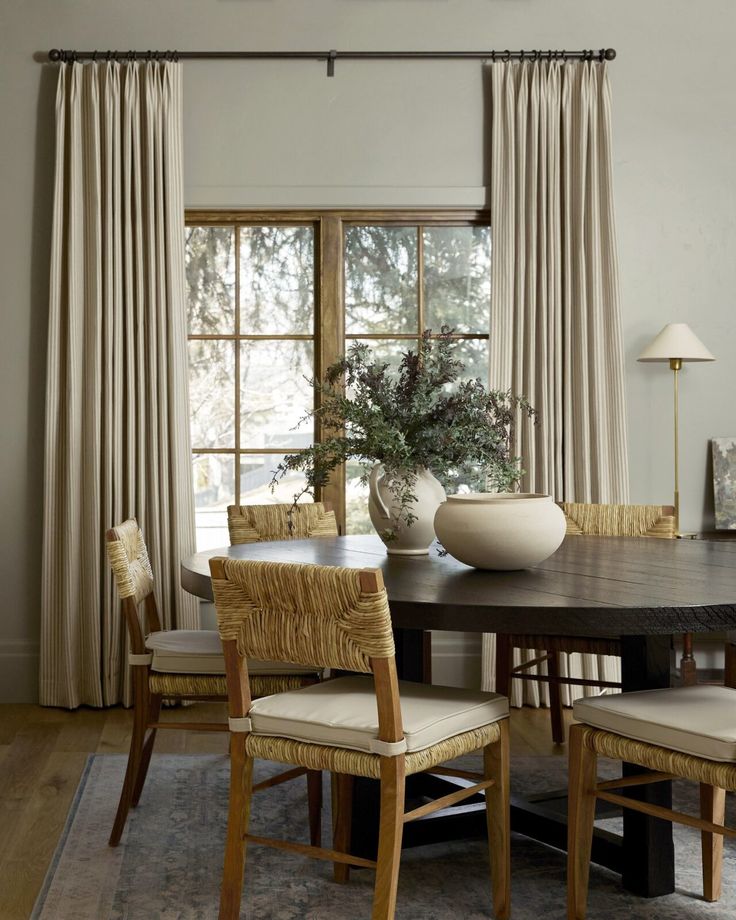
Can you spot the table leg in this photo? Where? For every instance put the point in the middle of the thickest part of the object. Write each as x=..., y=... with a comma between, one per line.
x=648, y=850
x=414, y=654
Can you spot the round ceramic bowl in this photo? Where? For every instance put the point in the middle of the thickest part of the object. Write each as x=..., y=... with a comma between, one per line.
x=500, y=530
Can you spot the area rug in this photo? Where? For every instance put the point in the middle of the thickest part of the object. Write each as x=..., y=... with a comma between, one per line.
x=169, y=862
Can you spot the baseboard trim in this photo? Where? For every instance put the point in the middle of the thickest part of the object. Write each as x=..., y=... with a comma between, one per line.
x=19, y=671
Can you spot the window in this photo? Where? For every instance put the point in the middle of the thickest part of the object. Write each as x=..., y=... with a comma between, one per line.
x=274, y=299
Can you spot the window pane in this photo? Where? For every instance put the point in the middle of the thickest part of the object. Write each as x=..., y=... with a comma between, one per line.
x=457, y=278
x=474, y=355
x=274, y=394
x=210, y=274
x=276, y=280
x=356, y=501
x=386, y=351
x=212, y=393
x=381, y=279
x=214, y=489
x=256, y=473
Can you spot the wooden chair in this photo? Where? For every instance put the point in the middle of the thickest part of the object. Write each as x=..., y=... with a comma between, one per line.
x=253, y=523
x=286, y=521
x=178, y=664
x=678, y=733
x=379, y=728
x=585, y=519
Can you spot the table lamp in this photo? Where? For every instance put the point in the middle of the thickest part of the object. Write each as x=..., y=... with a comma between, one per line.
x=676, y=343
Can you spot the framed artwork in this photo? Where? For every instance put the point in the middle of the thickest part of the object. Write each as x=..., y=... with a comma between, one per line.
x=724, y=482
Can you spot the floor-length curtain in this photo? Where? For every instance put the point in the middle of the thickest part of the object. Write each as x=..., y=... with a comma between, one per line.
x=117, y=436
x=555, y=318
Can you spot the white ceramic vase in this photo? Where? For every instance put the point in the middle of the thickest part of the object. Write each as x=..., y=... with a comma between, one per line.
x=408, y=541
x=500, y=530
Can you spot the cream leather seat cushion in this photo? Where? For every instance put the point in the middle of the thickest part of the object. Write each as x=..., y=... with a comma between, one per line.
x=694, y=720
x=199, y=651
x=343, y=713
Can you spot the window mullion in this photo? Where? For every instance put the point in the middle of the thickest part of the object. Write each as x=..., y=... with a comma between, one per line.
x=236, y=345
x=330, y=333
x=420, y=279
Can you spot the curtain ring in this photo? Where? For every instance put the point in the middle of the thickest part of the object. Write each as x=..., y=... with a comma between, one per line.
x=535, y=55
x=94, y=57
x=507, y=55
x=493, y=56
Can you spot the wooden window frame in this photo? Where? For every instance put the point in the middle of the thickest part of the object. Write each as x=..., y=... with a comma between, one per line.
x=329, y=284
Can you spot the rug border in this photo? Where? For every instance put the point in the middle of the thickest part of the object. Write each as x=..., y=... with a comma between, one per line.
x=53, y=865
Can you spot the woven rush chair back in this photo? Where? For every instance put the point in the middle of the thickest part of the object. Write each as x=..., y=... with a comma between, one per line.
x=619, y=520
x=131, y=567
x=313, y=615
x=253, y=523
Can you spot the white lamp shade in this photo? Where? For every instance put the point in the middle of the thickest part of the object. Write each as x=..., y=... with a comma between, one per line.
x=676, y=340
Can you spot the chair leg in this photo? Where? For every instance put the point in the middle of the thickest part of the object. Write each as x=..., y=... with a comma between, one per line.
x=153, y=716
x=137, y=739
x=314, y=802
x=688, y=665
x=498, y=818
x=555, y=699
x=241, y=779
x=503, y=664
x=581, y=815
x=393, y=779
x=713, y=809
x=342, y=811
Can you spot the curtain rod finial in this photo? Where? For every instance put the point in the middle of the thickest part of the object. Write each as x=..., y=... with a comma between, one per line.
x=55, y=55
x=610, y=54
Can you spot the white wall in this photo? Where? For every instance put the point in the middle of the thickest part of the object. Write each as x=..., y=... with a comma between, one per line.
x=389, y=133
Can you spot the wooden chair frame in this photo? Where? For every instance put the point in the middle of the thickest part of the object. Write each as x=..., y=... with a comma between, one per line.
x=494, y=783
x=147, y=700
x=551, y=647
x=584, y=789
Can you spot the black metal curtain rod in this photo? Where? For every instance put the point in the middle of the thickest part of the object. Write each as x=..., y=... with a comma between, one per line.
x=68, y=57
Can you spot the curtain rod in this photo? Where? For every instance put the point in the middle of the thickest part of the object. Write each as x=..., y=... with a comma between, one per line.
x=67, y=57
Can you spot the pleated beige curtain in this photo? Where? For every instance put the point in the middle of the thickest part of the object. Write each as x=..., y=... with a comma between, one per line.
x=117, y=430
x=555, y=317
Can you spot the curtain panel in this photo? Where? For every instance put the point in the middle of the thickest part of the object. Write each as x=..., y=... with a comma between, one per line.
x=117, y=428
x=556, y=333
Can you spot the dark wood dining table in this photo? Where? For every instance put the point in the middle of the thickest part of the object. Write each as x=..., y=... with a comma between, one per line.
x=639, y=590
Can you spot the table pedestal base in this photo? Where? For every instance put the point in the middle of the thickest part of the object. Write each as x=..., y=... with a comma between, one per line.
x=643, y=856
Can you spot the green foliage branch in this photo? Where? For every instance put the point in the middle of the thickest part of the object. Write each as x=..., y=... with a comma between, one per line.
x=418, y=416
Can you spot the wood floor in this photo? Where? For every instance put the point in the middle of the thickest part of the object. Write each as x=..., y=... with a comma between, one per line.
x=43, y=752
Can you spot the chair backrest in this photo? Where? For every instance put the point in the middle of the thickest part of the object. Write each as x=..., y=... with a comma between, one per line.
x=313, y=615
x=253, y=523
x=131, y=567
x=619, y=520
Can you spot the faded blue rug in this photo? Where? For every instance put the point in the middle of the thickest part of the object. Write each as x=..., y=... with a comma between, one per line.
x=169, y=862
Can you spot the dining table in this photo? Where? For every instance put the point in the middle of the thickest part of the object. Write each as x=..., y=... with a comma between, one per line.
x=639, y=590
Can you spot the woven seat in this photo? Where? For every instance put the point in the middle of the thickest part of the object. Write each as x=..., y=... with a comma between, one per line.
x=700, y=721
x=177, y=664
x=684, y=733
x=342, y=713
x=339, y=618
x=582, y=520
